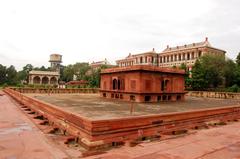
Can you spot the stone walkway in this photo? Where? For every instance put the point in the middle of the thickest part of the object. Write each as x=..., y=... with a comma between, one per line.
x=221, y=142
x=20, y=138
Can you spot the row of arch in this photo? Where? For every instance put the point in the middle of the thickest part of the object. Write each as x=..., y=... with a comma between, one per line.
x=44, y=80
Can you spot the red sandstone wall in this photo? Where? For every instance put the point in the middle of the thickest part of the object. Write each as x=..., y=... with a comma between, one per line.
x=146, y=82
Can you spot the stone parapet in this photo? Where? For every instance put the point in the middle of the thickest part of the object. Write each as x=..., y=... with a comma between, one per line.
x=207, y=94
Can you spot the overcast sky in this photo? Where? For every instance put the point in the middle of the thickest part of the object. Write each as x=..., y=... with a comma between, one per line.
x=91, y=30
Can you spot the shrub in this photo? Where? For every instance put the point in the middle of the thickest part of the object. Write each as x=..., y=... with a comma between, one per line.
x=234, y=88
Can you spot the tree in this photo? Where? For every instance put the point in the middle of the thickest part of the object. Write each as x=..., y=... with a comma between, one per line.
x=68, y=73
x=42, y=68
x=23, y=74
x=3, y=72
x=94, y=77
x=80, y=70
x=238, y=59
x=230, y=73
x=208, y=72
x=213, y=66
x=188, y=80
x=11, y=75
x=198, y=81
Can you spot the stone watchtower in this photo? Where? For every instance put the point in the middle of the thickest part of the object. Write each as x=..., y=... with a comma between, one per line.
x=55, y=60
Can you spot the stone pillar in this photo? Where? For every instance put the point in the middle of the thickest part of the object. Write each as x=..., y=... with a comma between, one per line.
x=40, y=80
x=30, y=80
x=49, y=80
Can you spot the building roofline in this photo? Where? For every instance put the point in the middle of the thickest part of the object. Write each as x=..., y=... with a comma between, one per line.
x=143, y=68
x=171, y=51
x=53, y=73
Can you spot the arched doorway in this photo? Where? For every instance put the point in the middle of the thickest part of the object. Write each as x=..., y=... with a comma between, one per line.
x=45, y=80
x=53, y=80
x=36, y=80
x=114, y=86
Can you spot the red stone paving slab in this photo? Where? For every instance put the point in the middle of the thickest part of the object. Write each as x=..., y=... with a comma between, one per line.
x=20, y=138
x=216, y=143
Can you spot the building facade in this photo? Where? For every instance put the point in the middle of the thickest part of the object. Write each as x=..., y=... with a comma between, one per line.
x=47, y=77
x=173, y=56
x=146, y=58
x=143, y=83
x=98, y=64
x=43, y=77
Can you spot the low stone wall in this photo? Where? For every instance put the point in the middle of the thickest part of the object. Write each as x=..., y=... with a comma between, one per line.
x=97, y=133
x=206, y=94
x=55, y=90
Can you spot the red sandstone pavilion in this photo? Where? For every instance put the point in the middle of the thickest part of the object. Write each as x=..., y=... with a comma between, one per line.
x=141, y=83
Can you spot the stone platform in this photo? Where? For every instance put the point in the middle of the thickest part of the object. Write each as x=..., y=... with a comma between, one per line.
x=96, y=108
x=98, y=123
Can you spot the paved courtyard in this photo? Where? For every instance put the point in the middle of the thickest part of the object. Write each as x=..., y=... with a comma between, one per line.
x=21, y=139
x=95, y=107
x=216, y=143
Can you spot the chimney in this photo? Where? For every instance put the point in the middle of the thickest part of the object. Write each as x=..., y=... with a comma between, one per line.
x=206, y=39
x=153, y=50
x=167, y=46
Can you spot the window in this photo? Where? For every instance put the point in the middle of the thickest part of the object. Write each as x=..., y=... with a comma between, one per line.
x=162, y=85
x=192, y=55
x=132, y=97
x=133, y=84
x=147, y=98
x=104, y=85
x=122, y=87
x=178, y=97
x=199, y=53
x=114, y=84
x=166, y=83
x=159, y=98
x=164, y=98
x=148, y=85
x=119, y=84
x=169, y=97
x=104, y=95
